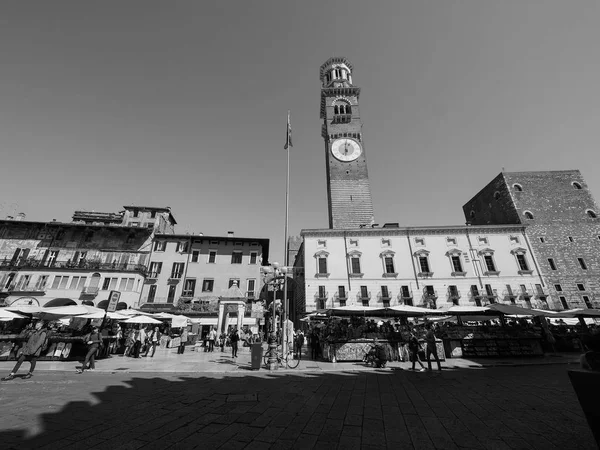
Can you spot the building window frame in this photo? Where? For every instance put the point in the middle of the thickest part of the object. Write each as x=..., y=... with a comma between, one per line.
x=423, y=263
x=321, y=264
x=528, y=215
x=552, y=264
x=591, y=214
x=253, y=258
x=211, y=258
x=208, y=285
x=195, y=256
x=488, y=262
x=354, y=264
x=520, y=254
x=388, y=263
x=237, y=256
x=456, y=264
x=582, y=264
x=189, y=287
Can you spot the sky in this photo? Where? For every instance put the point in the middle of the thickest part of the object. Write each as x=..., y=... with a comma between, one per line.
x=184, y=104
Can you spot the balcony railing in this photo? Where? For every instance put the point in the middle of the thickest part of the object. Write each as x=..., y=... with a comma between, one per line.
x=81, y=265
x=405, y=299
x=342, y=118
x=340, y=299
x=384, y=298
x=453, y=295
x=364, y=298
x=429, y=293
x=509, y=296
x=90, y=290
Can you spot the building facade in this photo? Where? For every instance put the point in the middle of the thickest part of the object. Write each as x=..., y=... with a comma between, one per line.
x=54, y=264
x=158, y=219
x=562, y=226
x=197, y=269
x=433, y=267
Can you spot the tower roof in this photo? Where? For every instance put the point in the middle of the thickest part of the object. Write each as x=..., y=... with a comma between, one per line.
x=335, y=60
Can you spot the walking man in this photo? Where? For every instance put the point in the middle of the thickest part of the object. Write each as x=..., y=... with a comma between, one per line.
x=93, y=340
x=299, y=343
x=212, y=336
x=36, y=343
x=234, y=337
x=431, y=347
x=140, y=338
x=413, y=350
x=153, y=341
x=184, y=338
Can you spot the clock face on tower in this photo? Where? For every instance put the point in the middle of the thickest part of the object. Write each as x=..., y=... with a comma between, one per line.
x=346, y=149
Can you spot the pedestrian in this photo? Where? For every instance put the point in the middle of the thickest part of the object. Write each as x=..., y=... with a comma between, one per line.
x=37, y=342
x=129, y=342
x=299, y=343
x=184, y=338
x=314, y=345
x=431, y=348
x=153, y=340
x=138, y=338
x=413, y=351
x=212, y=335
x=93, y=340
x=234, y=338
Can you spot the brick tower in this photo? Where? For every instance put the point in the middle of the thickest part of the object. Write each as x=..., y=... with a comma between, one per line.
x=563, y=229
x=348, y=190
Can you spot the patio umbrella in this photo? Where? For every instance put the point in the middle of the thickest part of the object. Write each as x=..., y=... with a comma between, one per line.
x=100, y=315
x=413, y=311
x=514, y=310
x=142, y=320
x=134, y=312
x=24, y=309
x=6, y=315
x=57, y=312
x=583, y=312
x=354, y=309
x=466, y=310
x=177, y=321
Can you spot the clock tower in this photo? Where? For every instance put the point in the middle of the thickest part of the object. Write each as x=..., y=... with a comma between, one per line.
x=348, y=190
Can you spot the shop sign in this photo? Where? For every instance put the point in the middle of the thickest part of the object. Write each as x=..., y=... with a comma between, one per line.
x=113, y=300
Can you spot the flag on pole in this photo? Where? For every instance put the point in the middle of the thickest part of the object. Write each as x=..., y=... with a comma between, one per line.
x=288, y=136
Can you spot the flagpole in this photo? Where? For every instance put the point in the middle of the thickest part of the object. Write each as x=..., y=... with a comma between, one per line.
x=285, y=246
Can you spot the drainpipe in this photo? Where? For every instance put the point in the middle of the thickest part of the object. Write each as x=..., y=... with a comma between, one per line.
x=533, y=258
x=347, y=271
x=412, y=259
x=472, y=251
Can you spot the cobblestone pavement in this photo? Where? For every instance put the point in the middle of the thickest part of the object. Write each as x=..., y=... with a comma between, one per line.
x=484, y=408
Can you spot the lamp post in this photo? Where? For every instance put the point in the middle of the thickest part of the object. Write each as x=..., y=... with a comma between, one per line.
x=274, y=277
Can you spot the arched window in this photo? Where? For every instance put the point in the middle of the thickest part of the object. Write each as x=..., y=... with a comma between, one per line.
x=472, y=214
x=336, y=109
x=528, y=215
x=518, y=187
x=348, y=109
x=496, y=195
x=576, y=185
x=591, y=214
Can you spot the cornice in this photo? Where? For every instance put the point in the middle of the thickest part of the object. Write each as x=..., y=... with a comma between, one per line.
x=415, y=231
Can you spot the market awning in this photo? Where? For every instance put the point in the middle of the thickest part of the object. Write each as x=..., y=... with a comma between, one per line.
x=414, y=311
x=514, y=310
x=212, y=321
x=466, y=310
x=60, y=302
x=6, y=315
x=356, y=310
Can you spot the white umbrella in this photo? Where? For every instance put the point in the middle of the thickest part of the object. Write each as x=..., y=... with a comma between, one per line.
x=100, y=315
x=25, y=309
x=6, y=315
x=142, y=319
x=133, y=312
x=56, y=312
x=177, y=321
x=413, y=310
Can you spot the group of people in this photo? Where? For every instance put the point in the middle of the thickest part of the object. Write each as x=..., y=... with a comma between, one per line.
x=139, y=341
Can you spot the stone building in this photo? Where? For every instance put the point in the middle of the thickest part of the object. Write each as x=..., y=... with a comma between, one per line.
x=562, y=226
x=433, y=267
x=191, y=272
x=158, y=219
x=54, y=264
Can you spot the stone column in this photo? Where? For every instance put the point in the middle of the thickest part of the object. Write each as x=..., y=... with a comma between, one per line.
x=221, y=317
x=241, y=310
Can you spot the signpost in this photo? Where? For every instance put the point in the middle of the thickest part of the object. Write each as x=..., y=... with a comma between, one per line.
x=113, y=301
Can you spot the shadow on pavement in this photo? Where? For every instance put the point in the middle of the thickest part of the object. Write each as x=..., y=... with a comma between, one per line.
x=502, y=408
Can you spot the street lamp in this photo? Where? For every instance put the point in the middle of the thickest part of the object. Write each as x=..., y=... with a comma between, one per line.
x=276, y=279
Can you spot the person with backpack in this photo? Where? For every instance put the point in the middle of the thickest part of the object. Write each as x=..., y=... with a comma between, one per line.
x=234, y=337
x=94, y=341
x=37, y=342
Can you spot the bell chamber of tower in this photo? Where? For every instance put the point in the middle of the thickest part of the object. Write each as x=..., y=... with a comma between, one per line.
x=348, y=190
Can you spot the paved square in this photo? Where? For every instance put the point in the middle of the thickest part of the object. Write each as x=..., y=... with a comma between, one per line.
x=487, y=408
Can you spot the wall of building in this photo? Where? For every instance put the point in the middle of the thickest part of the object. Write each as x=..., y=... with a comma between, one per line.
x=30, y=251
x=405, y=245
x=221, y=271
x=559, y=213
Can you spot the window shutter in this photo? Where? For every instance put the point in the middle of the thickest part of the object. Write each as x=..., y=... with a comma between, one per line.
x=15, y=256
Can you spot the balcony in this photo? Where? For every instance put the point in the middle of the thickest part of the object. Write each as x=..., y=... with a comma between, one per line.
x=342, y=118
x=405, y=299
x=152, y=275
x=364, y=297
x=85, y=265
x=340, y=299
x=509, y=296
x=174, y=278
x=453, y=295
x=541, y=293
x=321, y=299
x=90, y=290
x=491, y=297
x=384, y=298
x=425, y=274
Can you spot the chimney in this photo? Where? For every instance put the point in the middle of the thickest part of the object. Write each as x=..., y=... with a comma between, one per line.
x=21, y=216
x=230, y=233
x=10, y=218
